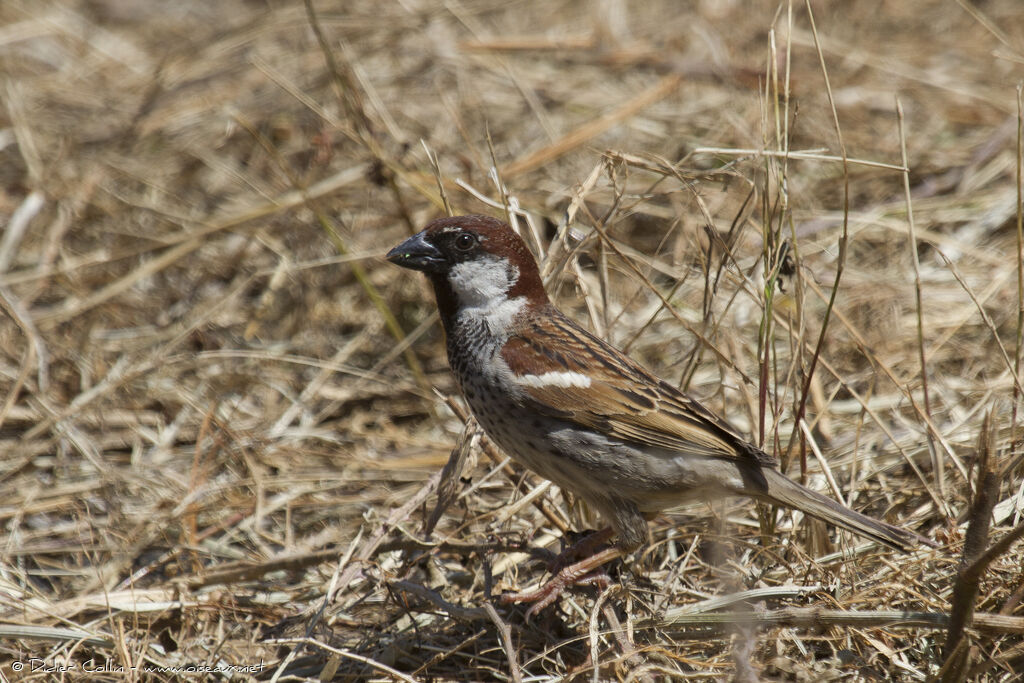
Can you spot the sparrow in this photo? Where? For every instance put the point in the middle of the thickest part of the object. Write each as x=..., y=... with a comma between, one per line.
x=579, y=412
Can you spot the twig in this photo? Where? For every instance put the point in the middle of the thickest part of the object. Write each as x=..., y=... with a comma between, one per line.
x=804, y=155
x=623, y=636
x=989, y=323
x=817, y=618
x=436, y=167
x=452, y=471
x=35, y=351
x=17, y=225
x=938, y=464
x=593, y=633
x=55, y=634
x=997, y=549
x=506, y=642
x=965, y=588
x=840, y=257
x=446, y=653
x=1019, y=161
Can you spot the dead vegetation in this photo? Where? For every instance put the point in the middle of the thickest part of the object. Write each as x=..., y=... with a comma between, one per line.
x=221, y=439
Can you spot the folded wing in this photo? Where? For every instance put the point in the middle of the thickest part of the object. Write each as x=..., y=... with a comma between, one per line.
x=574, y=376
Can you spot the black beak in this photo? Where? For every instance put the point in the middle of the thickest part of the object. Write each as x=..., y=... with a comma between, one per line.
x=418, y=254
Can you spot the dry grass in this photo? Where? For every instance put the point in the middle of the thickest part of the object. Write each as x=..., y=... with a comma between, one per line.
x=216, y=453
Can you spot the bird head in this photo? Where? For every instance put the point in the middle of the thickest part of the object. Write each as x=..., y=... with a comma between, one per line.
x=473, y=262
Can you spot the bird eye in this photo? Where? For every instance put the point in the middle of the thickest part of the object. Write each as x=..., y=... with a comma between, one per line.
x=465, y=242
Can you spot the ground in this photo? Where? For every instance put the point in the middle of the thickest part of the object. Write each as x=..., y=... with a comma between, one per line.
x=223, y=416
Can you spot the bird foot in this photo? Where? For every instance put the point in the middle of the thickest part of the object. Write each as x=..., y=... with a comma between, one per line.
x=552, y=590
x=579, y=574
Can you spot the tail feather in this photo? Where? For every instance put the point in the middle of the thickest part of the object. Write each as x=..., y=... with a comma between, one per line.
x=784, y=491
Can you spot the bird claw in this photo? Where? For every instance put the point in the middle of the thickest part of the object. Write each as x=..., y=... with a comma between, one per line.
x=541, y=598
x=552, y=590
x=580, y=574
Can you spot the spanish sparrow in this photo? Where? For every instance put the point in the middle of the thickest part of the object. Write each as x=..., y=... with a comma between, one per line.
x=578, y=411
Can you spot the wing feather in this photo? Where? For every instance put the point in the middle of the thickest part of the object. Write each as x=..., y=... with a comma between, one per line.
x=615, y=395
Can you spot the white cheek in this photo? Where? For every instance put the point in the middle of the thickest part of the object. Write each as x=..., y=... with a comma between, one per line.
x=482, y=282
x=555, y=379
x=481, y=287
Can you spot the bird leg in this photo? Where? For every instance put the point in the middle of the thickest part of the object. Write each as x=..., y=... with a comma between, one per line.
x=578, y=574
x=581, y=549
